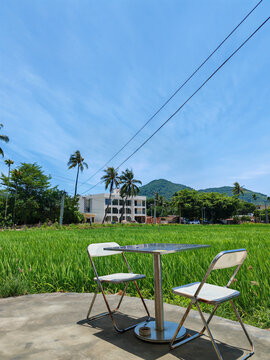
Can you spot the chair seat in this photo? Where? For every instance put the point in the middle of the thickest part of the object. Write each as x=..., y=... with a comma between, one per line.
x=120, y=277
x=209, y=293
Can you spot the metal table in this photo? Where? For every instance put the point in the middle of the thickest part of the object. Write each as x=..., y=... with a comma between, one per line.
x=161, y=331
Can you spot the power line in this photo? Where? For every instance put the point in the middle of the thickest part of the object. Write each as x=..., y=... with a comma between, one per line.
x=189, y=98
x=167, y=101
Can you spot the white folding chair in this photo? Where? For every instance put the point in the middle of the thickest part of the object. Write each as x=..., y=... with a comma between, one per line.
x=213, y=294
x=96, y=250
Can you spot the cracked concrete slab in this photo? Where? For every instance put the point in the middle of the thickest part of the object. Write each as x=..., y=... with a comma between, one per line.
x=54, y=326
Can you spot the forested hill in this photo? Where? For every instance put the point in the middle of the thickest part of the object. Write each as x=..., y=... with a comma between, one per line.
x=163, y=187
x=167, y=189
x=248, y=194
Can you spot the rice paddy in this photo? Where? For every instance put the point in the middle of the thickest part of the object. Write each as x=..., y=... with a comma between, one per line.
x=50, y=260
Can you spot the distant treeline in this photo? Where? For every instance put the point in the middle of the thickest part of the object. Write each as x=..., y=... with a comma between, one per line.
x=192, y=204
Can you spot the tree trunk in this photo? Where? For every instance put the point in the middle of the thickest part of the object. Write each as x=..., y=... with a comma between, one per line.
x=7, y=192
x=76, y=183
x=106, y=211
x=123, y=209
x=15, y=199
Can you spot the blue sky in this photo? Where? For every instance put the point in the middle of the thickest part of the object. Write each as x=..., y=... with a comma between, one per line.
x=86, y=75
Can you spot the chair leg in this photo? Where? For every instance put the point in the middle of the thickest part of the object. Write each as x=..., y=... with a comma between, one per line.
x=245, y=331
x=91, y=305
x=109, y=312
x=209, y=332
x=146, y=309
x=174, y=344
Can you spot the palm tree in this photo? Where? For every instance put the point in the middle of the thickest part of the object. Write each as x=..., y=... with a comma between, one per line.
x=16, y=175
x=3, y=138
x=76, y=159
x=111, y=179
x=8, y=162
x=128, y=188
x=238, y=190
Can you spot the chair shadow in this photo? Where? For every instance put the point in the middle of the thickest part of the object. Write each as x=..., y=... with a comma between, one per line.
x=200, y=348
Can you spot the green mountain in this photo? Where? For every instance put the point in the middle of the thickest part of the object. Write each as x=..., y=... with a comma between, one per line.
x=227, y=190
x=167, y=189
x=163, y=187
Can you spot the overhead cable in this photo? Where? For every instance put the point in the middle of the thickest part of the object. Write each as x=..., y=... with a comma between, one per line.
x=169, y=99
x=188, y=99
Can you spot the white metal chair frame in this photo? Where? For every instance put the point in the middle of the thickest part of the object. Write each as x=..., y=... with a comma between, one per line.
x=234, y=258
x=99, y=286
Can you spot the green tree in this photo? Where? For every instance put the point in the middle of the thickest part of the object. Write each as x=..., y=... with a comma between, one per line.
x=128, y=188
x=8, y=162
x=76, y=159
x=111, y=180
x=4, y=138
x=238, y=190
x=33, y=200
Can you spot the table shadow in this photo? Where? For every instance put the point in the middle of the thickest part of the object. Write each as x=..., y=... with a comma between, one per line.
x=201, y=348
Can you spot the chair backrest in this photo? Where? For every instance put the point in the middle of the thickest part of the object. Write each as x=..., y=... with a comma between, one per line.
x=223, y=260
x=229, y=258
x=97, y=249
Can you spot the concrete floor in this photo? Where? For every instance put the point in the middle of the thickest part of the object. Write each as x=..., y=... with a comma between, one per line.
x=53, y=326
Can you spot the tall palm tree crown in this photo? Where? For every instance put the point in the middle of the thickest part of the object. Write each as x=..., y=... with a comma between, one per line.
x=128, y=188
x=3, y=138
x=76, y=159
x=238, y=190
x=111, y=180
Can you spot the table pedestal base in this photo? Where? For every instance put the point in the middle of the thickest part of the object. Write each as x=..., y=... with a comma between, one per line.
x=164, y=336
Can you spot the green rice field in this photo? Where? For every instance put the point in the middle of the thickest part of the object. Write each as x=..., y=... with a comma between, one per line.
x=50, y=260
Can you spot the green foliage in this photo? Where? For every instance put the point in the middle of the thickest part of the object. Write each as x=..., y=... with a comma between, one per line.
x=4, y=138
x=48, y=260
x=248, y=195
x=217, y=206
x=32, y=200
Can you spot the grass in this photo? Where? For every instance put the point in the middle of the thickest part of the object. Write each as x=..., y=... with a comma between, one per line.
x=49, y=260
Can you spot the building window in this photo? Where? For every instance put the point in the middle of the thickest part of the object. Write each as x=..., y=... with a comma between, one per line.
x=109, y=210
x=128, y=218
x=115, y=210
x=107, y=201
x=128, y=211
x=115, y=202
x=143, y=211
x=128, y=203
x=108, y=218
x=86, y=205
x=121, y=202
x=115, y=218
x=143, y=203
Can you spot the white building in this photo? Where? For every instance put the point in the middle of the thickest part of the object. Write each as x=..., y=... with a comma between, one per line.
x=94, y=206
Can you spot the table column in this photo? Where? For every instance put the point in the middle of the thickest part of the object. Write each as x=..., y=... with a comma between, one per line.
x=159, y=313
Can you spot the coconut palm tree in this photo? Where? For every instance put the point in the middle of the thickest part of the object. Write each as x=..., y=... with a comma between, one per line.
x=76, y=159
x=8, y=162
x=111, y=180
x=128, y=188
x=238, y=190
x=3, y=138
